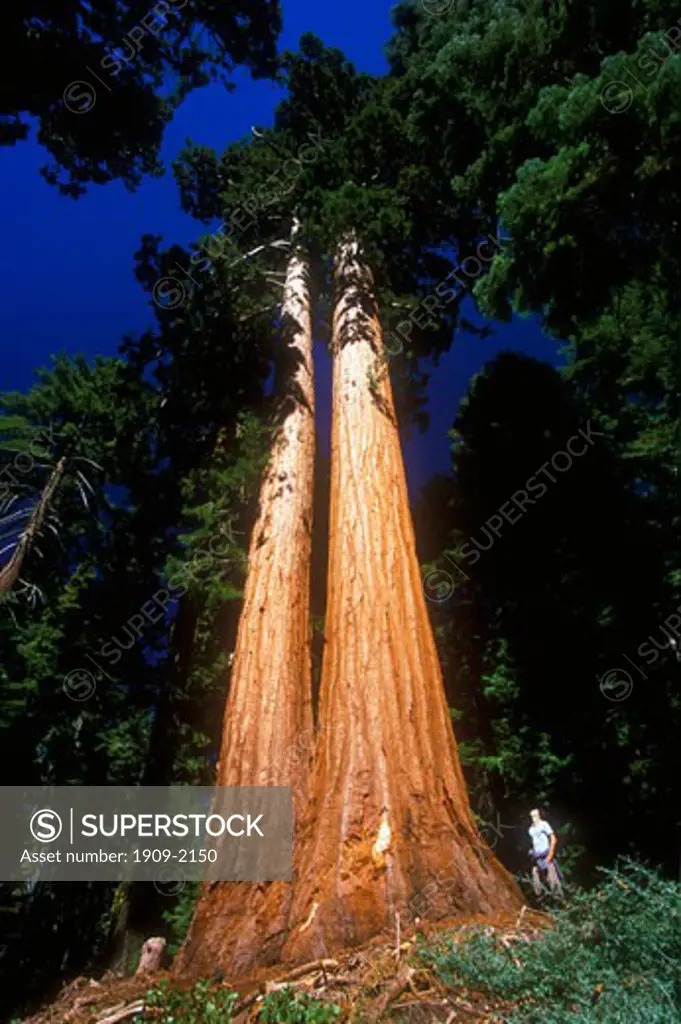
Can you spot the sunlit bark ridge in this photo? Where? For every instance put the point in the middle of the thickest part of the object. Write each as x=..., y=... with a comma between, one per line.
x=270, y=699
x=389, y=829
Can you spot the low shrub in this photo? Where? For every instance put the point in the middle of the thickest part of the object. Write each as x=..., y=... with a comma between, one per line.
x=613, y=957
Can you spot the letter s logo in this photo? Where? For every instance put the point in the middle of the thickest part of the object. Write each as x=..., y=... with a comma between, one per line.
x=45, y=826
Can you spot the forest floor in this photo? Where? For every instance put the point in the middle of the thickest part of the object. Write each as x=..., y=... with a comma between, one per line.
x=382, y=981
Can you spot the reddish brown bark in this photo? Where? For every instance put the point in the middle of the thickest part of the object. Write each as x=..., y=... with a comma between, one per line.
x=389, y=828
x=269, y=707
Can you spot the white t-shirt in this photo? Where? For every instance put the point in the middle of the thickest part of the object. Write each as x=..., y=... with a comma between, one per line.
x=539, y=835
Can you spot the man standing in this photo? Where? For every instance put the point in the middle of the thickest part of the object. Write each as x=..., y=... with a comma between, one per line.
x=543, y=853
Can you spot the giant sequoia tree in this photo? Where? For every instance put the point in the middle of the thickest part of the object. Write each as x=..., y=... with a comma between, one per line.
x=270, y=689
x=384, y=822
x=389, y=815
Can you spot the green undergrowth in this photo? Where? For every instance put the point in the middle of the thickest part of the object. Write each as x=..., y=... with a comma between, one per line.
x=613, y=957
x=204, y=1003
x=290, y=1007
x=207, y=1003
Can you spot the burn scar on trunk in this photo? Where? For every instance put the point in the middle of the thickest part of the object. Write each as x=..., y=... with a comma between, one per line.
x=310, y=917
x=382, y=843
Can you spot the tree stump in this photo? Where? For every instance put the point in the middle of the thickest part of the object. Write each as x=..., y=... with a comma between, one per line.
x=152, y=954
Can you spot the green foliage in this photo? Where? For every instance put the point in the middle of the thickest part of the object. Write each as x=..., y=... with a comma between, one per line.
x=155, y=713
x=109, y=122
x=613, y=955
x=512, y=104
x=507, y=103
x=219, y=497
x=365, y=175
x=178, y=918
x=204, y=1003
x=91, y=578
x=547, y=607
x=290, y=1007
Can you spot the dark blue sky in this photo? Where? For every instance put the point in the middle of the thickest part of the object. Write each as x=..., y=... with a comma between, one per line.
x=67, y=266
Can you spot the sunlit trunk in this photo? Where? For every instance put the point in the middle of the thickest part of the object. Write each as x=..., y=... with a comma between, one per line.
x=389, y=829
x=268, y=720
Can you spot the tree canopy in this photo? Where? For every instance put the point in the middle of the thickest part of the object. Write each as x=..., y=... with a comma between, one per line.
x=104, y=79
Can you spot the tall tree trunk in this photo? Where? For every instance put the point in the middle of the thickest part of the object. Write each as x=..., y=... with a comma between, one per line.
x=270, y=700
x=389, y=822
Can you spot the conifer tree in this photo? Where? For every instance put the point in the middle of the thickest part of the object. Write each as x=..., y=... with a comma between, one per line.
x=381, y=680
x=104, y=79
x=389, y=828
x=269, y=705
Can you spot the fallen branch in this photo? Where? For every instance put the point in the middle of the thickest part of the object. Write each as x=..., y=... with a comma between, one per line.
x=316, y=965
x=503, y=939
x=462, y=1002
x=246, y=1004
x=401, y=983
x=297, y=974
x=122, y=1013
x=280, y=986
x=420, y=1002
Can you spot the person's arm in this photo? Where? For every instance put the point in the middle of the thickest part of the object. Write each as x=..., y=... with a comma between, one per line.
x=552, y=850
